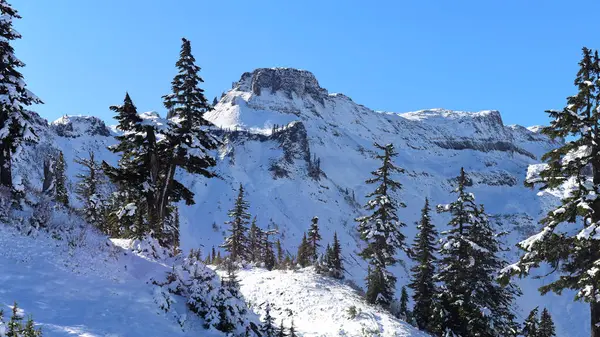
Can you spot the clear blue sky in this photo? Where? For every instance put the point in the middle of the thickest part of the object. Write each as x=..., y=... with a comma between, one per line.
x=519, y=57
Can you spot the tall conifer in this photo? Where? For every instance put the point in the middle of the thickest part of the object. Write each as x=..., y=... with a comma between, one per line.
x=568, y=240
x=423, y=271
x=16, y=122
x=381, y=229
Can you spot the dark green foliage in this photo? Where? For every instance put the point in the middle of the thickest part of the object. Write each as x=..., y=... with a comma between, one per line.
x=254, y=242
x=190, y=139
x=471, y=301
x=280, y=254
x=15, y=326
x=88, y=191
x=377, y=290
x=281, y=331
x=381, y=229
x=405, y=314
x=267, y=328
x=268, y=257
x=567, y=241
x=292, y=331
x=60, y=188
x=331, y=263
x=15, y=121
x=531, y=324
x=423, y=271
x=304, y=253
x=237, y=241
x=313, y=238
x=546, y=328
x=133, y=172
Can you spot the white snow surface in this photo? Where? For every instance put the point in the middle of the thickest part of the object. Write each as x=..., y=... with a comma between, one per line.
x=433, y=145
x=319, y=305
x=94, y=290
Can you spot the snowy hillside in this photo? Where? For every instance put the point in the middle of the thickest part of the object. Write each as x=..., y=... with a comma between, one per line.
x=278, y=123
x=93, y=289
x=319, y=305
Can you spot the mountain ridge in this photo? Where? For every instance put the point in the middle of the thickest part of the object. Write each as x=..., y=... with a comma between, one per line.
x=273, y=140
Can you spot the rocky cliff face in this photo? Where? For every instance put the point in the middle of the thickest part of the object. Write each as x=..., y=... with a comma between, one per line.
x=301, y=151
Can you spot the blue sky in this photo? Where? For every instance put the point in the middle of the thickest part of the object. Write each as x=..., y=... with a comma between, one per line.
x=519, y=57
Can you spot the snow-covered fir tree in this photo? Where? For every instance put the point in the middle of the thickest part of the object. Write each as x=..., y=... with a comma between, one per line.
x=60, y=180
x=304, y=256
x=268, y=257
x=254, y=242
x=403, y=311
x=281, y=331
x=531, y=324
x=381, y=229
x=334, y=260
x=280, y=254
x=546, y=327
x=190, y=141
x=292, y=331
x=568, y=240
x=132, y=175
x=471, y=301
x=15, y=120
x=89, y=190
x=331, y=263
x=15, y=327
x=237, y=241
x=218, y=303
x=313, y=238
x=267, y=328
x=423, y=271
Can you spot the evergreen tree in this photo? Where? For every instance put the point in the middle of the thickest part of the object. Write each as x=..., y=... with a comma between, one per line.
x=281, y=331
x=267, y=328
x=531, y=325
x=377, y=292
x=60, y=185
x=15, y=327
x=304, y=253
x=280, y=254
x=380, y=230
x=472, y=301
x=568, y=240
x=237, y=241
x=190, y=142
x=332, y=264
x=292, y=331
x=213, y=255
x=268, y=255
x=314, y=237
x=215, y=101
x=254, y=242
x=423, y=271
x=546, y=328
x=16, y=124
x=404, y=312
x=132, y=176
x=88, y=191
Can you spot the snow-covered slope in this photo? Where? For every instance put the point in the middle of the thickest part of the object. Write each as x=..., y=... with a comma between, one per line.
x=276, y=122
x=90, y=288
x=318, y=305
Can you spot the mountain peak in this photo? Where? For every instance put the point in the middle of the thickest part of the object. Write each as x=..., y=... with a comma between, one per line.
x=76, y=126
x=286, y=80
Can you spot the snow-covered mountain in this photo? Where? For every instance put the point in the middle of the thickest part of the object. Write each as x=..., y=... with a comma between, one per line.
x=279, y=123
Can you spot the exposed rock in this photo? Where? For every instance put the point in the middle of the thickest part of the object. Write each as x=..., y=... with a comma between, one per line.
x=77, y=126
